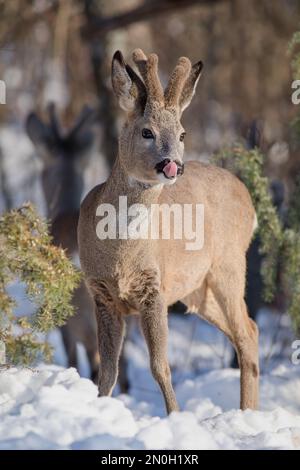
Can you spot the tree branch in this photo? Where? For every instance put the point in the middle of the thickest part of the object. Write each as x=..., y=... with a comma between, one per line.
x=100, y=26
x=23, y=23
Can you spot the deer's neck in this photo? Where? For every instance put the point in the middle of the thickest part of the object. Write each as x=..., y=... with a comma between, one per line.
x=63, y=188
x=121, y=184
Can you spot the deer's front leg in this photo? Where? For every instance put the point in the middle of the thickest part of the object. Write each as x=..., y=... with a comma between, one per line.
x=111, y=328
x=154, y=320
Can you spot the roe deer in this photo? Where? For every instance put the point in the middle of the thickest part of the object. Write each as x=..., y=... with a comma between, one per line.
x=64, y=156
x=144, y=276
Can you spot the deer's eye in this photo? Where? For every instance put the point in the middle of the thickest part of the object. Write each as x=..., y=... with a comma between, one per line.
x=182, y=136
x=147, y=134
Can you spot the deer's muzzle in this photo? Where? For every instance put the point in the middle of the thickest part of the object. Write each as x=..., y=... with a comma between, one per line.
x=171, y=169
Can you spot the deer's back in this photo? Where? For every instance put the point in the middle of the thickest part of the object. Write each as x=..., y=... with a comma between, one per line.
x=125, y=264
x=228, y=222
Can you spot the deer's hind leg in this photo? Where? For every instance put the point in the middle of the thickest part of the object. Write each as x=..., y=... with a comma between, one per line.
x=221, y=302
x=91, y=347
x=84, y=328
x=227, y=282
x=69, y=341
x=202, y=302
x=123, y=379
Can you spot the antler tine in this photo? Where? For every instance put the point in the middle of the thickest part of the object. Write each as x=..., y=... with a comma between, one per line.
x=85, y=117
x=149, y=70
x=154, y=85
x=140, y=59
x=176, y=82
x=53, y=119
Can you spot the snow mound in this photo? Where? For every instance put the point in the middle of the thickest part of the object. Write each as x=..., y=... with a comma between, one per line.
x=53, y=408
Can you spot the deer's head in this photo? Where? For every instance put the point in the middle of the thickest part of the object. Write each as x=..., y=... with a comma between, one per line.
x=151, y=144
x=64, y=155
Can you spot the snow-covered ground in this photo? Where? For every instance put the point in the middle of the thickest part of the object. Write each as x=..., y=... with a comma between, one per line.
x=51, y=407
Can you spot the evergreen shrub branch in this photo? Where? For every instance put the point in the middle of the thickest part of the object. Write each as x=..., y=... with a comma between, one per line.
x=27, y=255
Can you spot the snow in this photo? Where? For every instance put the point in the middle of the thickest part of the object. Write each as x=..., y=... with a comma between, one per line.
x=51, y=407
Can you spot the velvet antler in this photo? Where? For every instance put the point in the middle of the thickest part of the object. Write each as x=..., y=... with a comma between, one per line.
x=148, y=68
x=176, y=82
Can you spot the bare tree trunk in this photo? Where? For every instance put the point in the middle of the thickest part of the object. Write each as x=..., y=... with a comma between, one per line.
x=2, y=353
x=4, y=189
x=100, y=26
x=98, y=47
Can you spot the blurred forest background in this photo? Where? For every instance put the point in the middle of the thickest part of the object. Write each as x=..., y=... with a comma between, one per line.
x=60, y=51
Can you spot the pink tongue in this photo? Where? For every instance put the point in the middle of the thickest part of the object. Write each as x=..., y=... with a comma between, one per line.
x=170, y=170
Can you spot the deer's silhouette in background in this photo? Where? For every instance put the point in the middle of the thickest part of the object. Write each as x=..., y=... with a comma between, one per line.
x=65, y=155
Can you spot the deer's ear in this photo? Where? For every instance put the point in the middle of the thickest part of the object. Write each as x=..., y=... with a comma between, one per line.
x=37, y=131
x=127, y=85
x=190, y=85
x=81, y=137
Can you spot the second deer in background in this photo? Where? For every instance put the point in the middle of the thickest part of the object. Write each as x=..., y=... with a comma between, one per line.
x=65, y=155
